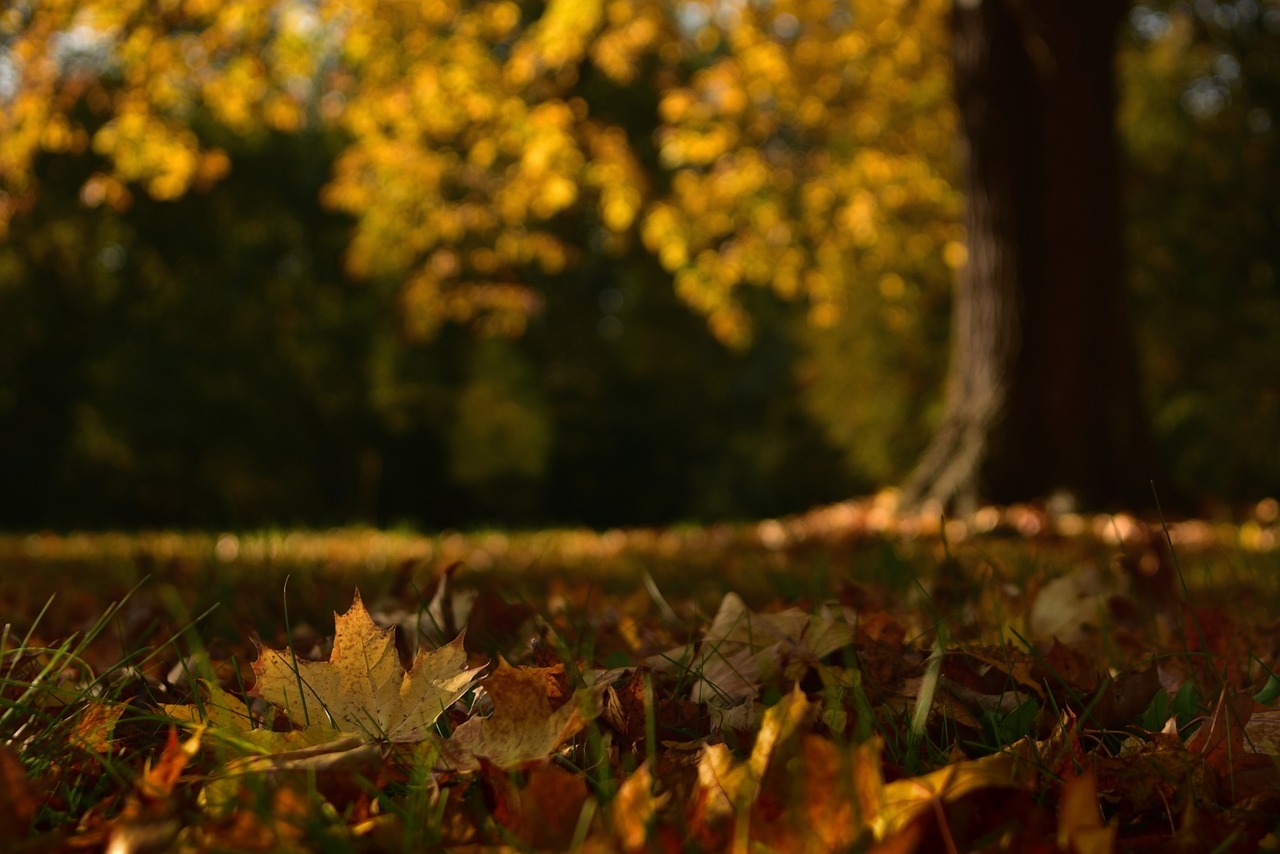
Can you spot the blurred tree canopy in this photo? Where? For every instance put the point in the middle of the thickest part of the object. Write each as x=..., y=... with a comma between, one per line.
x=304, y=261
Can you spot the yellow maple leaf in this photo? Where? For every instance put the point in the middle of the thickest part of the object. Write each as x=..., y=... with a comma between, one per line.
x=95, y=727
x=228, y=719
x=363, y=688
x=523, y=726
x=904, y=799
x=1080, y=827
x=217, y=708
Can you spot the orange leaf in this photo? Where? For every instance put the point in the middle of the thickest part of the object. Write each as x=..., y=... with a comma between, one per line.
x=1220, y=740
x=17, y=799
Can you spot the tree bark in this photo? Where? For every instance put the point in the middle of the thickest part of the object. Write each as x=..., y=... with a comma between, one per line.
x=1043, y=389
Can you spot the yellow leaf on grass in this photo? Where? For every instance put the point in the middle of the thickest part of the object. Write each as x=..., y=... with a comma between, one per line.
x=218, y=709
x=363, y=688
x=1080, y=827
x=228, y=720
x=523, y=726
x=728, y=785
x=95, y=727
x=904, y=799
x=632, y=811
x=335, y=763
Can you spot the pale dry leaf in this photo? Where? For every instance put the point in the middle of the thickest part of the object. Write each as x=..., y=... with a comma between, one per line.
x=363, y=688
x=743, y=649
x=798, y=631
x=1262, y=733
x=1072, y=606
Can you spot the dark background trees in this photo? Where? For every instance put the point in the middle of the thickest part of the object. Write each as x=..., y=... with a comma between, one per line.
x=210, y=360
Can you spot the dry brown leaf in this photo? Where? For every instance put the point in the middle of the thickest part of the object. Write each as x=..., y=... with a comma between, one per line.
x=544, y=812
x=624, y=708
x=18, y=802
x=1157, y=775
x=524, y=726
x=1220, y=739
x=363, y=688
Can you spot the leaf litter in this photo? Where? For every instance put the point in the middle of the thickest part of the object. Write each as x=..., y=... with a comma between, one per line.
x=1086, y=719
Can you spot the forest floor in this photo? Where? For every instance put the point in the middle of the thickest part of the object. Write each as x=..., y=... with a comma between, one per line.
x=847, y=679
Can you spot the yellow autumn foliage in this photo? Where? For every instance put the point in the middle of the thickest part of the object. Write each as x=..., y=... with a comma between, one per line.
x=797, y=145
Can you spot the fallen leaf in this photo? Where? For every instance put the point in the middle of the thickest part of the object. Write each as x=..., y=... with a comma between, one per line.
x=842, y=792
x=1080, y=826
x=1060, y=755
x=634, y=808
x=1262, y=733
x=524, y=727
x=1220, y=741
x=17, y=798
x=149, y=820
x=228, y=720
x=157, y=783
x=905, y=799
x=542, y=813
x=334, y=768
x=95, y=726
x=1120, y=699
x=363, y=687
x=1073, y=606
x=743, y=649
x=1156, y=775
x=728, y=787
x=624, y=709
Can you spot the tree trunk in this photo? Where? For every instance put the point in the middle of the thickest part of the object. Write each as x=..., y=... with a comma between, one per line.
x=1043, y=389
